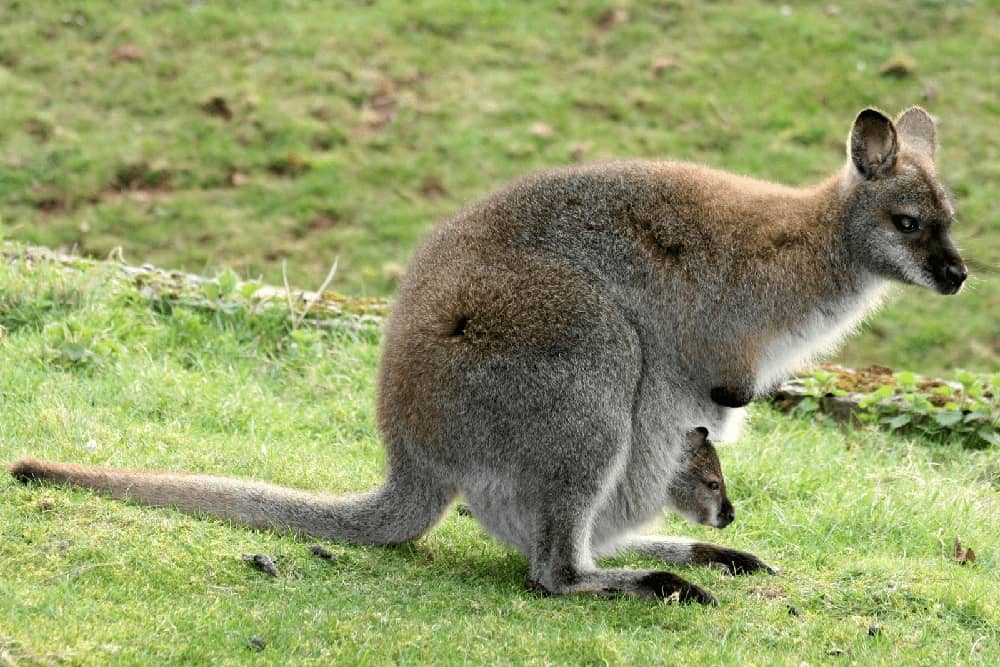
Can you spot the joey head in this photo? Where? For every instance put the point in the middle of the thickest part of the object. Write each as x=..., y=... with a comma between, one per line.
x=698, y=489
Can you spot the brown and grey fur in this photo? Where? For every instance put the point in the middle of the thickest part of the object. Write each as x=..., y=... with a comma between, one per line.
x=697, y=490
x=553, y=345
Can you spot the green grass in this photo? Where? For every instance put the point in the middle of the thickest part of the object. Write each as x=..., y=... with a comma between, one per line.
x=347, y=129
x=860, y=522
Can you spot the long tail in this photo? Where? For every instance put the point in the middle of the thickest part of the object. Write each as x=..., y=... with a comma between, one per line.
x=403, y=508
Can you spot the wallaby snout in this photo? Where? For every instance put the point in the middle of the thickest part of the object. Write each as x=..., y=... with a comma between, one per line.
x=726, y=514
x=951, y=275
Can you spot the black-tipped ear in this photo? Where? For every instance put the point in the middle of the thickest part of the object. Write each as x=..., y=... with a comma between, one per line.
x=916, y=130
x=872, y=146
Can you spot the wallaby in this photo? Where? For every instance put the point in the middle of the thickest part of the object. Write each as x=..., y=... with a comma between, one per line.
x=697, y=490
x=552, y=346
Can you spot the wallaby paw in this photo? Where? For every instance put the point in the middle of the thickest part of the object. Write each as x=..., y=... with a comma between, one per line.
x=663, y=585
x=730, y=398
x=534, y=586
x=731, y=561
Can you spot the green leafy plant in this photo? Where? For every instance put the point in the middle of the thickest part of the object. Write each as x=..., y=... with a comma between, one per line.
x=967, y=408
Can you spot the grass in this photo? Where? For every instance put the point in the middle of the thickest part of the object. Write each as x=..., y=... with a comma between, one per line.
x=204, y=134
x=860, y=522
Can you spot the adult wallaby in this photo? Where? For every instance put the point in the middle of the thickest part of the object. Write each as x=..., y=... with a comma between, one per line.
x=552, y=346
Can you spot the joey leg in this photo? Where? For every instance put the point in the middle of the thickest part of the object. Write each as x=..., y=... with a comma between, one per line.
x=686, y=552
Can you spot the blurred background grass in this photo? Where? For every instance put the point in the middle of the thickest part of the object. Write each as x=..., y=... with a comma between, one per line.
x=197, y=135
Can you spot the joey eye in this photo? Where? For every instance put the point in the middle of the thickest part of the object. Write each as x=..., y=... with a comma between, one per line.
x=905, y=223
x=714, y=486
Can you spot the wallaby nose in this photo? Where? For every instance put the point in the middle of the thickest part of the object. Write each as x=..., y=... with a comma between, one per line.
x=726, y=515
x=956, y=273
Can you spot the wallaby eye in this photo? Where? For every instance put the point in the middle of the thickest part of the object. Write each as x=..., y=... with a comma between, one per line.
x=714, y=486
x=905, y=223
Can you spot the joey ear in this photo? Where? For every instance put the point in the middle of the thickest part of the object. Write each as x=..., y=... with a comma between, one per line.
x=872, y=146
x=916, y=130
x=697, y=436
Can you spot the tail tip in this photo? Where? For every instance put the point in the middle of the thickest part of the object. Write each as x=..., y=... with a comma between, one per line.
x=27, y=470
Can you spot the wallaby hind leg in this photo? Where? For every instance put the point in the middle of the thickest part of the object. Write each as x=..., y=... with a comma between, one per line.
x=681, y=551
x=561, y=564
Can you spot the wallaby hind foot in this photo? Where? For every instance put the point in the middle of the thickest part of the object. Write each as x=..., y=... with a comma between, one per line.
x=647, y=584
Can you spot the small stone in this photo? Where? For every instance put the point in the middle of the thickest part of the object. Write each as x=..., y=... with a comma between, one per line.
x=321, y=551
x=218, y=106
x=263, y=563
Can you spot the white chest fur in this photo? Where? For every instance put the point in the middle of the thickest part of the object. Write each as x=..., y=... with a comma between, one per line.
x=819, y=334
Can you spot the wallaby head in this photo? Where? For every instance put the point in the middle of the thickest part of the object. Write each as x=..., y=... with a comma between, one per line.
x=898, y=214
x=698, y=489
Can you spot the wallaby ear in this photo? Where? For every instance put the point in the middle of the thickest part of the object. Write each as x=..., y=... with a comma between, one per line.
x=916, y=130
x=872, y=146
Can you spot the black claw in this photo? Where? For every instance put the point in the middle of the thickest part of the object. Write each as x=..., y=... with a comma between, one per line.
x=535, y=587
x=739, y=562
x=663, y=585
